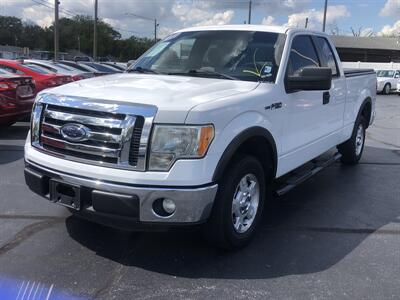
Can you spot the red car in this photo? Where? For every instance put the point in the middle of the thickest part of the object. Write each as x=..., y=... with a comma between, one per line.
x=17, y=94
x=44, y=78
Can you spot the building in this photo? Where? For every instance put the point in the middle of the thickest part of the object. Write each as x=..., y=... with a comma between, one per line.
x=367, y=49
x=11, y=52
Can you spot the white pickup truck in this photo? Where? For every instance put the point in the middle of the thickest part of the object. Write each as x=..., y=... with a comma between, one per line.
x=199, y=129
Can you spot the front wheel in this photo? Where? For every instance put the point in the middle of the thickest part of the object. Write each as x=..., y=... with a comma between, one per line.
x=238, y=206
x=353, y=148
x=386, y=89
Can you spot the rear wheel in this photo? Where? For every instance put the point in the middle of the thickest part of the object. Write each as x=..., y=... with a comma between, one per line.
x=353, y=148
x=238, y=206
x=386, y=89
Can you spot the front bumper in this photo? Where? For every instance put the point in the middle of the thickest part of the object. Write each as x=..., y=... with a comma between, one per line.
x=124, y=205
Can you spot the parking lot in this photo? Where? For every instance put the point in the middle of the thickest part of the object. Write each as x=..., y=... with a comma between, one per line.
x=337, y=236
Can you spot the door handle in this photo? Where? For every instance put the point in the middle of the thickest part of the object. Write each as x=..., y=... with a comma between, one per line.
x=326, y=96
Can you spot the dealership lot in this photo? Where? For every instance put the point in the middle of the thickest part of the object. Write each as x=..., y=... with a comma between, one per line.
x=337, y=236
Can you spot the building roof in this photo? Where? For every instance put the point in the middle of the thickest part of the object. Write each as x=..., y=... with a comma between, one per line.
x=356, y=42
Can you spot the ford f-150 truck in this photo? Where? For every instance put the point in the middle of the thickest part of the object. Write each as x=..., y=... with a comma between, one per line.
x=199, y=129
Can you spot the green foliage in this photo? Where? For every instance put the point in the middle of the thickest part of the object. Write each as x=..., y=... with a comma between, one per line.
x=75, y=33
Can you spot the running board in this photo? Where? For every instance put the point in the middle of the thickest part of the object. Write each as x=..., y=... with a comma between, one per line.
x=299, y=177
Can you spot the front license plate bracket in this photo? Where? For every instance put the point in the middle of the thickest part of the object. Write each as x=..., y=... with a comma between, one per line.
x=65, y=194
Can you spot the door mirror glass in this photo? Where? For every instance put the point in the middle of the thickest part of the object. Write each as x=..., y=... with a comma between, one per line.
x=310, y=79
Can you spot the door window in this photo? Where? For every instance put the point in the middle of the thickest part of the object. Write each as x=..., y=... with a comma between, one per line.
x=328, y=57
x=302, y=55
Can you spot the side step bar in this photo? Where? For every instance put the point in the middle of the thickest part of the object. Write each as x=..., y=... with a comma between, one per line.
x=298, y=178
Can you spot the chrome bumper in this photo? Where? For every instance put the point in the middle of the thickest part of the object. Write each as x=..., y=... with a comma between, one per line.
x=193, y=204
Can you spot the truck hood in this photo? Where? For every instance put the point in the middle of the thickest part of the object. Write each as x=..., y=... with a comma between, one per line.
x=174, y=96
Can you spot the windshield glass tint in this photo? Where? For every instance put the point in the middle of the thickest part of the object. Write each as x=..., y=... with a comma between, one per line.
x=245, y=55
x=385, y=73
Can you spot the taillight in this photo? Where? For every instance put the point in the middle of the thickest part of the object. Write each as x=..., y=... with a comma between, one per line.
x=77, y=77
x=50, y=82
x=5, y=86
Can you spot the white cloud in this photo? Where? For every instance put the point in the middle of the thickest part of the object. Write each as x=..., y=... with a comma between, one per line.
x=391, y=8
x=220, y=18
x=388, y=30
x=270, y=21
x=315, y=17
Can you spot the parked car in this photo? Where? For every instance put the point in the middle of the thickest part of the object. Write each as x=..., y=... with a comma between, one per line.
x=17, y=94
x=101, y=67
x=398, y=88
x=82, y=67
x=43, y=77
x=119, y=66
x=58, y=68
x=199, y=138
x=387, y=80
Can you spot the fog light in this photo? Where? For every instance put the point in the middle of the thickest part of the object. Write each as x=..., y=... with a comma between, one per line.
x=164, y=207
x=169, y=206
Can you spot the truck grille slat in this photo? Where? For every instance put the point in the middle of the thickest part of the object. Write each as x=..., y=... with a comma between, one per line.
x=114, y=135
x=73, y=118
x=100, y=151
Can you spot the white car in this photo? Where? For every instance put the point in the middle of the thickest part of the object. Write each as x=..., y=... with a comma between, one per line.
x=199, y=129
x=387, y=80
x=398, y=88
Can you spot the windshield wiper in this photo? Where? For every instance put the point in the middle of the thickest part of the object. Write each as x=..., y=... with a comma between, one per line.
x=204, y=73
x=142, y=70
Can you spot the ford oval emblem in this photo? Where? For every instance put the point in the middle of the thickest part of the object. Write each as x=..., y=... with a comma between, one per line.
x=75, y=132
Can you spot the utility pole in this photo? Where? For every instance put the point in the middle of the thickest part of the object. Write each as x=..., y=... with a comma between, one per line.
x=306, y=23
x=155, y=31
x=249, y=18
x=325, y=9
x=56, y=37
x=95, y=30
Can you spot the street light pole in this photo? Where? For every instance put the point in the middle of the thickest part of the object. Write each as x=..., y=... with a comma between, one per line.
x=249, y=18
x=155, y=31
x=325, y=9
x=95, y=30
x=56, y=37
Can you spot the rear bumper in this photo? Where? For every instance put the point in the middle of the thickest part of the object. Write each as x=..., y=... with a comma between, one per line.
x=124, y=205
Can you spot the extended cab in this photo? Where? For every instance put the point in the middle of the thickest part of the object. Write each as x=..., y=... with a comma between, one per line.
x=198, y=129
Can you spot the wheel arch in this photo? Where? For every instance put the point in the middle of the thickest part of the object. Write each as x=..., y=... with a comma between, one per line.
x=366, y=110
x=243, y=143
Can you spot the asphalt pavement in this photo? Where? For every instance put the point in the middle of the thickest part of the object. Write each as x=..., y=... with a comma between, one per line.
x=336, y=236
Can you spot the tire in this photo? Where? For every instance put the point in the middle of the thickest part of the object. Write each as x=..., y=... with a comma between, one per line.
x=353, y=148
x=386, y=89
x=233, y=226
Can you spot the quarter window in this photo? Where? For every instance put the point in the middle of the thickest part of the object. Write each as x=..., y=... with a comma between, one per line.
x=302, y=55
x=328, y=58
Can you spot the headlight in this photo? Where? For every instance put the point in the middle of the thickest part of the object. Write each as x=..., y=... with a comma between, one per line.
x=170, y=143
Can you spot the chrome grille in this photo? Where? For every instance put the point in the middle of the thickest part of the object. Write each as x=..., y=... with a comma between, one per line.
x=116, y=134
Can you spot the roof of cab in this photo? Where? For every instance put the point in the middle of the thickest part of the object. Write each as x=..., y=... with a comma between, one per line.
x=242, y=27
x=246, y=27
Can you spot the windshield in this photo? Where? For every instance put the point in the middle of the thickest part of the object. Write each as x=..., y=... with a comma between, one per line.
x=243, y=55
x=385, y=73
x=37, y=69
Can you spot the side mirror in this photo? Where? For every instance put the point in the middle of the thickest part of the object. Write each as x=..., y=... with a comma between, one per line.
x=310, y=79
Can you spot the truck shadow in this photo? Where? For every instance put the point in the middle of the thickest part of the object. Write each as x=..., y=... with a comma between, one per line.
x=308, y=230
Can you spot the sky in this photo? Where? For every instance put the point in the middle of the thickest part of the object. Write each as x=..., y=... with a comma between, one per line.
x=380, y=17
